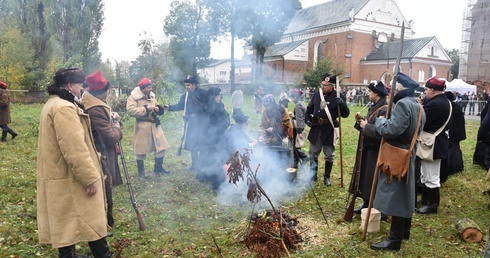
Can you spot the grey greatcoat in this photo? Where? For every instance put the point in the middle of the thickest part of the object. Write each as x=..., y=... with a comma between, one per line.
x=398, y=198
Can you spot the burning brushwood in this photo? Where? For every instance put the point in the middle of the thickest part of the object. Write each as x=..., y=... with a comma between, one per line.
x=271, y=233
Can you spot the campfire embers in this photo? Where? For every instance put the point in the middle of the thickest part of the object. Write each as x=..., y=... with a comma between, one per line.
x=268, y=237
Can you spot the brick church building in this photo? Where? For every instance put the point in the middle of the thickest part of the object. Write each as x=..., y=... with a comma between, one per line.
x=362, y=36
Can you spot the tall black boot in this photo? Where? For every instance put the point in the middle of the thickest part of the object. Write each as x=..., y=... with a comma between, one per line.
x=100, y=248
x=406, y=229
x=326, y=176
x=67, y=252
x=11, y=132
x=141, y=168
x=433, y=204
x=4, y=135
x=314, y=169
x=394, y=241
x=158, y=169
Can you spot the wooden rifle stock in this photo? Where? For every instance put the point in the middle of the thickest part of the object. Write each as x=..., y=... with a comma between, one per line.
x=131, y=194
x=354, y=182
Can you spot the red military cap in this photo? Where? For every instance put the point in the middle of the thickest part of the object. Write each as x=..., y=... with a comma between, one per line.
x=96, y=82
x=3, y=85
x=145, y=82
x=436, y=84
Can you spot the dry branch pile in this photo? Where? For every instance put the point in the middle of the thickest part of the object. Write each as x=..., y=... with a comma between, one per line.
x=264, y=236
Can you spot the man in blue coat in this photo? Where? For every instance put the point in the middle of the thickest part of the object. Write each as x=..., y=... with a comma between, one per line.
x=321, y=134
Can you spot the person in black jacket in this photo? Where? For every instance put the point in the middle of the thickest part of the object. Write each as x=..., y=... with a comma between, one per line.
x=371, y=139
x=216, y=124
x=193, y=103
x=457, y=133
x=438, y=112
x=321, y=134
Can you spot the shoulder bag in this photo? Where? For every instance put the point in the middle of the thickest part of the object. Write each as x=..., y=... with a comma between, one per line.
x=395, y=161
x=426, y=141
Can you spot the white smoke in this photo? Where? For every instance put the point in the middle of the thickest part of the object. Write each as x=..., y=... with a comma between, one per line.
x=278, y=184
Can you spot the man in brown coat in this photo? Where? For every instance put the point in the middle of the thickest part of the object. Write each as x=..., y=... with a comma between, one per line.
x=5, y=112
x=106, y=131
x=148, y=134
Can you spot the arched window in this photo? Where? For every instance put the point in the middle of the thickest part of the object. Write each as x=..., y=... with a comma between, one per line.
x=384, y=77
x=432, y=71
x=318, y=52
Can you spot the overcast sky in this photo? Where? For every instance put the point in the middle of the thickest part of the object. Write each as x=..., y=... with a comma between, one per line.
x=126, y=20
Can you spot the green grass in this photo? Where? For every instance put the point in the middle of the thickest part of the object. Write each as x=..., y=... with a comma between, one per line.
x=182, y=215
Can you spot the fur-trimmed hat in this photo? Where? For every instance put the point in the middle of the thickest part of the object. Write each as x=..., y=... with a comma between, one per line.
x=436, y=84
x=96, y=83
x=379, y=88
x=330, y=78
x=194, y=79
x=3, y=85
x=145, y=82
x=406, y=82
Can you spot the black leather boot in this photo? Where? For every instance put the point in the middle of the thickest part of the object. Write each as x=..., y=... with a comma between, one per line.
x=394, y=241
x=326, y=176
x=141, y=168
x=406, y=229
x=14, y=134
x=158, y=169
x=4, y=136
x=433, y=204
x=100, y=248
x=314, y=169
x=67, y=252
x=364, y=205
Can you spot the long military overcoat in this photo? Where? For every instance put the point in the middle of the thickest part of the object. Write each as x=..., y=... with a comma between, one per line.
x=147, y=135
x=398, y=198
x=67, y=163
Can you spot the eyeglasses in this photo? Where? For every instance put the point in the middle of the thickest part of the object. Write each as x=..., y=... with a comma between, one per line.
x=326, y=84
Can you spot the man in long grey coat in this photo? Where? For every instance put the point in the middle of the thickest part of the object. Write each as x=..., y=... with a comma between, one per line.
x=397, y=199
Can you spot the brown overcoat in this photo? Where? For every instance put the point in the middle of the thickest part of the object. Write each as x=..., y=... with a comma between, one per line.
x=67, y=163
x=147, y=137
x=4, y=107
x=103, y=125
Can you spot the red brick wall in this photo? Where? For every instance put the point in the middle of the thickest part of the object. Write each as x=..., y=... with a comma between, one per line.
x=335, y=48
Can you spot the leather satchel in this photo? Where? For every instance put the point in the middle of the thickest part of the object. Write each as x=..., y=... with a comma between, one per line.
x=395, y=161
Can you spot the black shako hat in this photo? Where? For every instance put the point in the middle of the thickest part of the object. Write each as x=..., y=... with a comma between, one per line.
x=330, y=78
x=194, y=79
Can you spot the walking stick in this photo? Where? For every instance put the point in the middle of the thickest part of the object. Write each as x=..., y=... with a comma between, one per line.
x=388, y=113
x=340, y=140
x=131, y=194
